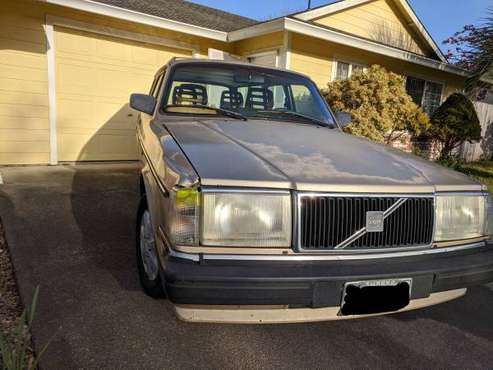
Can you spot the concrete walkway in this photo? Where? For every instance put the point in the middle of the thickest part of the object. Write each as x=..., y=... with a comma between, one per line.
x=71, y=231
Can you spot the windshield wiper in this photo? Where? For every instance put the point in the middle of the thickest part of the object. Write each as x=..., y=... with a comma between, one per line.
x=299, y=115
x=224, y=112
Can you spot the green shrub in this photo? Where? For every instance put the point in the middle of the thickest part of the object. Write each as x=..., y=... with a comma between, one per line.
x=15, y=347
x=454, y=123
x=379, y=105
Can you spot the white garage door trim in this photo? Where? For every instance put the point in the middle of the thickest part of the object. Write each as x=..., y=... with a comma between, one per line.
x=52, y=21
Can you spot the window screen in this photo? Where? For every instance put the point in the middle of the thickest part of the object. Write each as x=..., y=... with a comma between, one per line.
x=426, y=94
x=342, y=72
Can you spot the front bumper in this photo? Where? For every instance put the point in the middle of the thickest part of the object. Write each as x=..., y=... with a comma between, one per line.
x=318, y=284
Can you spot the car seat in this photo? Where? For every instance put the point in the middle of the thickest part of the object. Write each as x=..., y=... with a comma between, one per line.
x=231, y=100
x=259, y=98
x=190, y=94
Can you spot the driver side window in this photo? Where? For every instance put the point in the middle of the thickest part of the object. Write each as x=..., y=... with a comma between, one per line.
x=303, y=101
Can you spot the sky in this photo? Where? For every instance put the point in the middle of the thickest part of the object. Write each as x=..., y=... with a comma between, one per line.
x=442, y=18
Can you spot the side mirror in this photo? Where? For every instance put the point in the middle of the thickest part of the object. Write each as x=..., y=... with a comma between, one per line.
x=343, y=118
x=143, y=103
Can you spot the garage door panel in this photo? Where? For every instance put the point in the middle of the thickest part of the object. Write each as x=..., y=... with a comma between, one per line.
x=102, y=147
x=95, y=115
x=101, y=81
x=95, y=75
x=72, y=42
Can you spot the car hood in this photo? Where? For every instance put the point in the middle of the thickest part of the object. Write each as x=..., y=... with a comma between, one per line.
x=274, y=154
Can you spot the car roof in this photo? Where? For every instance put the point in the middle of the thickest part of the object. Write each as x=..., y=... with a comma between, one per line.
x=177, y=61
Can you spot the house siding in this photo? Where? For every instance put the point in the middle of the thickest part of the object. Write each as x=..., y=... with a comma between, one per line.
x=377, y=20
x=315, y=58
x=24, y=119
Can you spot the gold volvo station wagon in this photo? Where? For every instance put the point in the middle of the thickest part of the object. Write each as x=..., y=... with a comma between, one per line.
x=257, y=208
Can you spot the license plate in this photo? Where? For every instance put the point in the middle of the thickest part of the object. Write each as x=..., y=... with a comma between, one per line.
x=375, y=296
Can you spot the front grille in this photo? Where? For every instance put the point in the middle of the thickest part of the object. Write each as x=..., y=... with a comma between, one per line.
x=326, y=222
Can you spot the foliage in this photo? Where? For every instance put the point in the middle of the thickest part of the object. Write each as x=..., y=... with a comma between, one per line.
x=15, y=348
x=472, y=49
x=379, y=105
x=454, y=123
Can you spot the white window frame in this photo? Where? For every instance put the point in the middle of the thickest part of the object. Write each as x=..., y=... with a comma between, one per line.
x=351, y=64
x=442, y=83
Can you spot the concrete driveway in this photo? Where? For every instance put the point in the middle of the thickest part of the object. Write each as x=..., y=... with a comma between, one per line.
x=71, y=231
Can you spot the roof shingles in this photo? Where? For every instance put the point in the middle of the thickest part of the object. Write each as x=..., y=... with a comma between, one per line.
x=186, y=12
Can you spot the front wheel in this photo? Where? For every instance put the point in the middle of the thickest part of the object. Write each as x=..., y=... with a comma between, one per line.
x=147, y=258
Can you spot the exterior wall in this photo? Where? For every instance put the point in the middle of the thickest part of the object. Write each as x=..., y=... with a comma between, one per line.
x=314, y=57
x=258, y=44
x=378, y=20
x=24, y=106
x=24, y=119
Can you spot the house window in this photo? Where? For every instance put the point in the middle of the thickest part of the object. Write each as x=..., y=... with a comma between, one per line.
x=426, y=94
x=344, y=70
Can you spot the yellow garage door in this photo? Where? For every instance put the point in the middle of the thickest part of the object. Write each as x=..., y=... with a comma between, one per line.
x=95, y=75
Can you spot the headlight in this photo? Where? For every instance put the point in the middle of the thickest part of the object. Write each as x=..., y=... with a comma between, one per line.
x=461, y=217
x=239, y=219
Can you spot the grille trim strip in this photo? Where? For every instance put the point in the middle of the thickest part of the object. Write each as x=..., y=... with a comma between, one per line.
x=358, y=237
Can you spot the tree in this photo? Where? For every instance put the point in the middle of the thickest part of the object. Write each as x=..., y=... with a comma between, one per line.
x=381, y=109
x=472, y=49
x=454, y=123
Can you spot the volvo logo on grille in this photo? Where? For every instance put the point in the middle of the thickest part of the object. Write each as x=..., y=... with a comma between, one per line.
x=374, y=222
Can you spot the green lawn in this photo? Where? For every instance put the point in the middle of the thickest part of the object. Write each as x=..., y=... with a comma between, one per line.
x=481, y=171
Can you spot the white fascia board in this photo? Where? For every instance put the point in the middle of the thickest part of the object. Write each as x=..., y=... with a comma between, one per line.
x=345, y=4
x=421, y=29
x=329, y=9
x=260, y=29
x=309, y=29
x=146, y=19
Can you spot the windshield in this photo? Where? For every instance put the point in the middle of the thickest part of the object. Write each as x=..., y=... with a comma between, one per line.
x=249, y=92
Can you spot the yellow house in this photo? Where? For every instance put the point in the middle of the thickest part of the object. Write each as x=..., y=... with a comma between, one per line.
x=67, y=67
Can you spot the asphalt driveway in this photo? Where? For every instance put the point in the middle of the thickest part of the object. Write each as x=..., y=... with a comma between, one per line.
x=71, y=231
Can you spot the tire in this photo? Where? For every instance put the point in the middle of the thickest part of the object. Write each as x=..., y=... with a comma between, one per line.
x=146, y=253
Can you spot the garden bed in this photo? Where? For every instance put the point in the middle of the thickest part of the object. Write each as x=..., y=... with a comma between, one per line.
x=10, y=303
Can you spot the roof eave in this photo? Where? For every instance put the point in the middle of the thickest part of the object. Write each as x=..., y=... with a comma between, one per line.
x=310, y=29
x=322, y=11
x=141, y=18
